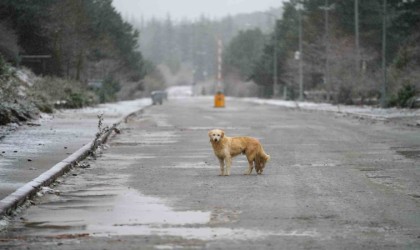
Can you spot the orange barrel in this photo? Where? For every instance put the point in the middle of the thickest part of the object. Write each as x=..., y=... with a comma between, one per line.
x=219, y=100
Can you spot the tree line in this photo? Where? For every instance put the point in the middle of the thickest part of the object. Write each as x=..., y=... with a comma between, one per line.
x=79, y=39
x=194, y=42
x=82, y=52
x=337, y=67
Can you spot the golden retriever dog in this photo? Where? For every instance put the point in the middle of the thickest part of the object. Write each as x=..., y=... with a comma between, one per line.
x=225, y=148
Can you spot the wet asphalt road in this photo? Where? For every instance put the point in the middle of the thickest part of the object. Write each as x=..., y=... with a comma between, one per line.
x=333, y=183
x=31, y=150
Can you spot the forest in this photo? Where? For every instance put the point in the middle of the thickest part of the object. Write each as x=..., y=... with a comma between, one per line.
x=352, y=52
x=76, y=36
x=82, y=52
x=193, y=43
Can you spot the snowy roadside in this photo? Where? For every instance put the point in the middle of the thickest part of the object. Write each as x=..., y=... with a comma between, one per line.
x=112, y=112
x=358, y=111
x=30, y=150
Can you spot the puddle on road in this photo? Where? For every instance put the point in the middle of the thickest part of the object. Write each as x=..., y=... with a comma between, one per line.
x=197, y=128
x=137, y=209
x=193, y=165
x=127, y=157
x=10, y=185
x=146, y=138
x=97, y=203
x=317, y=164
x=412, y=154
x=212, y=233
x=125, y=212
x=408, y=152
x=213, y=164
x=108, y=212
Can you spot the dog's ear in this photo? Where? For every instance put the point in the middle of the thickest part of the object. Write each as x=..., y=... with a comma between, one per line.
x=210, y=132
x=222, y=134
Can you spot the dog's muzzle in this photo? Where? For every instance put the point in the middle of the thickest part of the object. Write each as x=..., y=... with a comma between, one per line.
x=215, y=139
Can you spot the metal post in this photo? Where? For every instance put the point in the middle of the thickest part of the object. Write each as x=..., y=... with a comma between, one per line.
x=219, y=80
x=300, y=57
x=384, y=84
x=356, y=32
x=326, y=9
x=275, y=81
x=327, y=45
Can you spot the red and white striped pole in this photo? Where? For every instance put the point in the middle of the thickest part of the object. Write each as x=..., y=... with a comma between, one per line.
x=219, y=84
x=219, y=97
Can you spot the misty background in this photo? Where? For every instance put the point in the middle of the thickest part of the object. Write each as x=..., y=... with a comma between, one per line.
x=190, y=9
x=76, y=53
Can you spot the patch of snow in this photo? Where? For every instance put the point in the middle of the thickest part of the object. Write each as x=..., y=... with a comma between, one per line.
x=368, y=111
x=117, y=109
x=26, y=76
x=179, y=91
x=4, y=223
x=47, y=190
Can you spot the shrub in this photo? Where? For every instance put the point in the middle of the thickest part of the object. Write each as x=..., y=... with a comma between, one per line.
x=61, y=93
x=40, y=101
x=344, y=95
x=18, y=111
x=404, y=95
x=108, y=91
x=8, y=84
x=13, y=108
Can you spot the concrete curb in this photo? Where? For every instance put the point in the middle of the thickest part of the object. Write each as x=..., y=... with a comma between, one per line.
x=27, y=191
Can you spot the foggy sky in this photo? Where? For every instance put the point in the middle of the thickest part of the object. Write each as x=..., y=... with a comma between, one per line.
x=190, y=9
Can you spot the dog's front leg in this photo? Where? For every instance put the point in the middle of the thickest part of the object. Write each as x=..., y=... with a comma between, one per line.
x=228, y=165
x=222, y=166
x=250, y=167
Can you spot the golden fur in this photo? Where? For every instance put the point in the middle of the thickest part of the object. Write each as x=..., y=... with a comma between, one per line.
x=225, y=148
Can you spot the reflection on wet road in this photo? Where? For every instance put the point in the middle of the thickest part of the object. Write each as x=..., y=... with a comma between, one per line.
x=97, y=202
x=31, y=150
x=332, y=183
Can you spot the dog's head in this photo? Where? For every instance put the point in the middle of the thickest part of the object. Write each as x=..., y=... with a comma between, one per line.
x=216, y=135
x=263, y=160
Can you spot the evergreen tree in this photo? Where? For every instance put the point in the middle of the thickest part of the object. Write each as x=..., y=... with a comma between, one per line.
x=243, y=52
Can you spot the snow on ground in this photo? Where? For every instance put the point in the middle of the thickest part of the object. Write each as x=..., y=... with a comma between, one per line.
x=26, y=76
x=365, y=111
x=179, y=91
x=368, y=111
x=116, y=109
x=30, y=150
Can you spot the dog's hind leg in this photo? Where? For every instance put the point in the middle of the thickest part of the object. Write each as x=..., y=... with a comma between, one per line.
x=251, y=158
x=222, y=166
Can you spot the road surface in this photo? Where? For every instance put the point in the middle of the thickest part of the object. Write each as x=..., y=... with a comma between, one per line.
x=333, y=182
x=31, y=150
